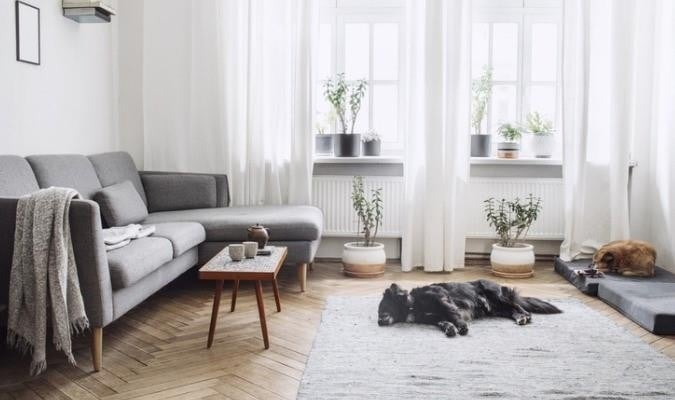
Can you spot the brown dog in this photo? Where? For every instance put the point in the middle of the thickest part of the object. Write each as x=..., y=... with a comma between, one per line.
x=626, y=257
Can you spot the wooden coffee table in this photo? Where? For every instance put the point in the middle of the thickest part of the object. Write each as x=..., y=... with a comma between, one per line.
x=221, y=268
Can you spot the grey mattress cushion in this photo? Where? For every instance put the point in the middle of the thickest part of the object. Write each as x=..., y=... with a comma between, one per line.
x=117, y=167
x=285, y=223
x=16, y=177
x=141, y=257
x=179, y=192
x=121, y=204
x=66, y=170
x=649, y=304
x=182, y=235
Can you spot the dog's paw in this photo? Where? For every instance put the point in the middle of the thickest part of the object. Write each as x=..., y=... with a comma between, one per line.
x=522, y=319
x=529, y=318
x=448, y=328
x=462, y=328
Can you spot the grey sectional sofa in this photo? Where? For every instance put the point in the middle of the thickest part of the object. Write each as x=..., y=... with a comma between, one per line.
x=190, y=211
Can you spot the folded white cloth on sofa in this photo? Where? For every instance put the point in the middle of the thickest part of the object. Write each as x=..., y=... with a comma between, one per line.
x=120, y=236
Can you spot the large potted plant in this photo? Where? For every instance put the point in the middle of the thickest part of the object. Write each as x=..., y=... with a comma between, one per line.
x=342, y=96
x=509, y=146
x=541, y=131
x=511, y=220
x=481, y=143
x=365, y=258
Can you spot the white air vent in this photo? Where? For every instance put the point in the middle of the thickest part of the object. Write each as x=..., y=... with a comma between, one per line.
x=88, y=11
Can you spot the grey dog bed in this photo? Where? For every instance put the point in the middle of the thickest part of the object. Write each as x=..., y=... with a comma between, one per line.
x=650, y=302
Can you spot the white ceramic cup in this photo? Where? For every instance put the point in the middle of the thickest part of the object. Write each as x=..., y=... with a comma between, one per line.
x=236, y=252
x=250, y=249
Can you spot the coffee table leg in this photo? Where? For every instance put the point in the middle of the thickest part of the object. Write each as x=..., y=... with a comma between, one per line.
x=235, y=290
x=276, y=294
x=261, y=312
x=214, y=312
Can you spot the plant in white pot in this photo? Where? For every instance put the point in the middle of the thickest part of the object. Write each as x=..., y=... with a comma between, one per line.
x=343, y=95
x=541, y=129
x=366, y=258
x=509, y=147
x=481, y=91
x=511, y=220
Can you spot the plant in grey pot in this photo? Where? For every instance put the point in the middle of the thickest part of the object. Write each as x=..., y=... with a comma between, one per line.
x=509, y=147
x=344, y=97
x=323, y=141
x=372, y=143
x=481, y=89
x=542, y=139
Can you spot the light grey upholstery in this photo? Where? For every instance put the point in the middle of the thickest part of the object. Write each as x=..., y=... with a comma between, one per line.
x=117, y=167
x=142, y=256
x=179, y=192
x=286, y=223
x=222, y=184
x=650, y=304
x=16, y=177
x=121, y=204
x=182, y=235
x=66, y=170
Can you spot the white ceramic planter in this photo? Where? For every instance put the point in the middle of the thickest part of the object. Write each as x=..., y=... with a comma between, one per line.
x=363, y=262
x=512, y=262
x=542, y=145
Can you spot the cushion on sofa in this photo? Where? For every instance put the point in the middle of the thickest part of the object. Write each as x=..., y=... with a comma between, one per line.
x=66, y=170
x=230, y=223
x=179, y=192
x=117, y=167
x=650, y=304
x=121, y=204
x=142, y=256
x=16, y=177
x=182, y=235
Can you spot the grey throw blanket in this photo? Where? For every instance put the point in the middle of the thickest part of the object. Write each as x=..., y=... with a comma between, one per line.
x=44, y=277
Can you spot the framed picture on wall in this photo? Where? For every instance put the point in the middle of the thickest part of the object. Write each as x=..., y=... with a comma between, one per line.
x=27, y=33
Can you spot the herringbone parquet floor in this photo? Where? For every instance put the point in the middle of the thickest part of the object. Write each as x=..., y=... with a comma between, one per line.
x=158, y=350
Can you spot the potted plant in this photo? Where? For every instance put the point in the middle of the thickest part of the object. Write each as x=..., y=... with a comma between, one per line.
x=512, y=219
x=342, y=95
x=323, y=141
x=372, y=143
x=481, y=89
x=366, y=258
x=510, y=146
x=541, y=131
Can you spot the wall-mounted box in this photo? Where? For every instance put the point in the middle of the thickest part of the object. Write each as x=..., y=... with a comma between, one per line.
x=88, y=11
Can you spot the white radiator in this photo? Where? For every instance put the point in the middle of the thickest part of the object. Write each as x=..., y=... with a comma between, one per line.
x=549, y=225
x=332, y=194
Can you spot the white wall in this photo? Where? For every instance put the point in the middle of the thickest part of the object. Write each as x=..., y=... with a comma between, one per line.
x=68, y=103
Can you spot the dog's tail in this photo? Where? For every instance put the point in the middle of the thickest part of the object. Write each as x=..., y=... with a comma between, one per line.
x=537, y=306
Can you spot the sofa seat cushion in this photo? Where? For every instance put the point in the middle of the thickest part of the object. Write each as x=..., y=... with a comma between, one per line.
x=182, y=235
x=285, y=223
x=650, y=304
x=142, y=256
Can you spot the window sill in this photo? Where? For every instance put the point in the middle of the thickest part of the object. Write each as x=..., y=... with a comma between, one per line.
x=358, y=160
x=516, y=161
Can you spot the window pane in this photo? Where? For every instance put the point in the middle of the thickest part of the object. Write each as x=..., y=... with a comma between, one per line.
x=503, y=105
x=544, y=52
x=542, y=99
x=480, y=48
x=362, y=119
x=385, y=111
x=356, y=51
x=505, y=51
x=325, y=50
x=385, y=51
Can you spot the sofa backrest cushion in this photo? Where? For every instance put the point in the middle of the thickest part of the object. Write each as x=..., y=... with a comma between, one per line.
x=121, y=204
x=16, y=177
x=117, y=167
x=66, y=170
x=180, y=192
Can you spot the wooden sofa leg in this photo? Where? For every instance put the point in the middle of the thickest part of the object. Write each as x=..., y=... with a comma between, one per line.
x=302, y=276
x=97, y=348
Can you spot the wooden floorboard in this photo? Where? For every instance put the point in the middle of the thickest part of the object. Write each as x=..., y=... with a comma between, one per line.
x=158, y=350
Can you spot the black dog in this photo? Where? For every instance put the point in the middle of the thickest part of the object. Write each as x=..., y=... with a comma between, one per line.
x=451, y=305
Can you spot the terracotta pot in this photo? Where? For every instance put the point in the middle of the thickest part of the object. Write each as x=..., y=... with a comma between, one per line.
x=360, y=261
x=260, y=234
x=512, y=262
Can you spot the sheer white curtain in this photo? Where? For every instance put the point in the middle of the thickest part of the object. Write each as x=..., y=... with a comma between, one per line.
x=605, y=103
x=438, y=51
x=227, y=88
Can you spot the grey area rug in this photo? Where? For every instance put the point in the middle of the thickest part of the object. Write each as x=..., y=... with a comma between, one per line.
x=579, y=354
